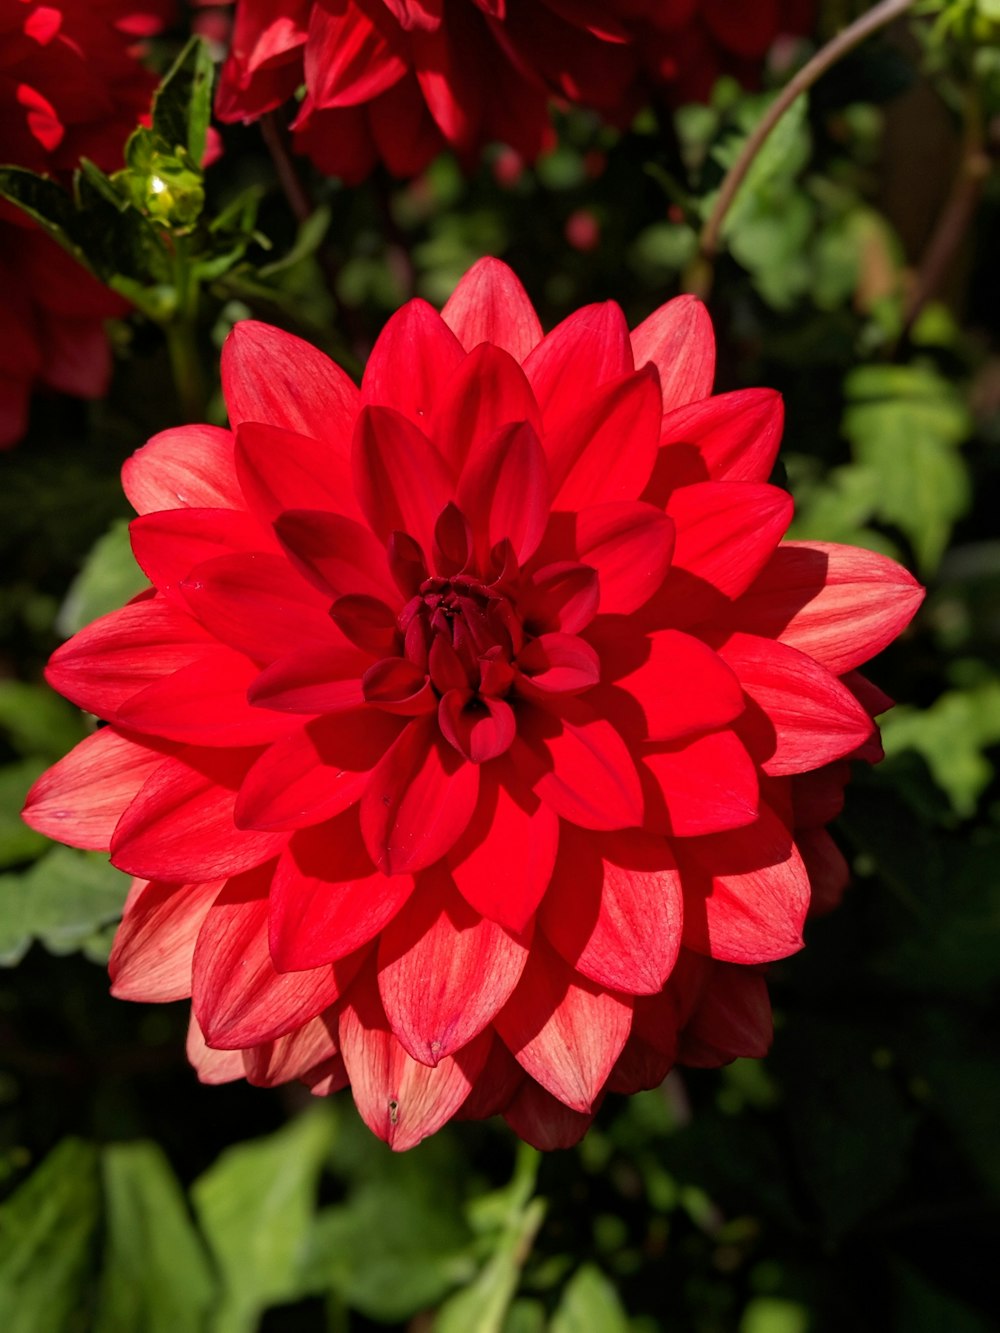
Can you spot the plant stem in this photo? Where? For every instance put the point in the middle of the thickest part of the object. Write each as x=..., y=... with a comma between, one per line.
x=956, y=216
x=185, y=362
x=851, y=36
x=288, y=173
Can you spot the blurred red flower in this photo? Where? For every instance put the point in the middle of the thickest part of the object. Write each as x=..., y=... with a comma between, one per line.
x=71, y=86
x=462, y=744
x=397, y=81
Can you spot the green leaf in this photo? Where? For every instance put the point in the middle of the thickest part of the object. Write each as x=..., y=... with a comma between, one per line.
x=48, y=1230
x=514, y=1216
x=182, y=106
x=17, y=841
x=255, y=1206
x=953, y=735
x=784, y=153
x=108, y=579
x=589, y=1304
x=37, y=721
x=905, y=424
x=63, y=900
x=156, y=1276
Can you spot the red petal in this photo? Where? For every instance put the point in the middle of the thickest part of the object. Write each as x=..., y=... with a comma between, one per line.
x=630, y=544
x=490, y=305
x=294, y=1055
x=279, y=470
x=562, y=596
x=614, y=909
x=679, y=684
x=168, y=545
x=80, y=799
x=327, y=900
x=606, y=450
x=505, y=492
x=237, y=996
x=732, y=1020
x=563, y=1029
x=397, y=686
x=258, y=605
x=503, y=862
x=367, y=623
x=336, y=554
x=272, y=377
x=399, y=1099
x=810, y=718
x=211, y=1066
x=496, y=1085
x=119, y=654
x=838, y=604
x=154, y=946
x=678, y=340
x=581, y=768
x=707, y=784
x=314, y=680
x=746, y=893
x=543, y=1121
x=204, y=704
x=348, y=60
x=413, y=358
x=488, y=390
x=316, y=771
x=578, y=356
x=187, y=465
x=479, y=727
x=402, y=481
x=559, y=664
x=180, y=826
x=726, y=532
x=418, y=801
x=474, y=963
x=731, y=437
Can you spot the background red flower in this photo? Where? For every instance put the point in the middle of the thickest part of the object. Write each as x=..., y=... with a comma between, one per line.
x=396, y=81
x=71, y=86
x=469, y=744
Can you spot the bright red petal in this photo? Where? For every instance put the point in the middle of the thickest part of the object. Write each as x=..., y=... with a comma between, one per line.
x=563, y=1029
x=152, y=955
x=490, y=305
x=418, y=800
x=678, y=339
x=505, y=491
x=402, y=481
x=336, y=554
x=413, y=357
x=706, y=785
x=80, y=799
x=630, y=544
x=577, y=357
x=731, y=437
x=614, y=909
x=280, y=469
x=838, y=604
x=475, y=965
x=327, y=900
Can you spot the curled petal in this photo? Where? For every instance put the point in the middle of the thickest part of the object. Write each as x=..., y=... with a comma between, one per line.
x=479, y=727
x=559, y=664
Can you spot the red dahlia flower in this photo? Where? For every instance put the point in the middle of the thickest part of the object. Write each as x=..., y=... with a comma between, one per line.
x=399, y=80
x=70, y=87
x=462, y=743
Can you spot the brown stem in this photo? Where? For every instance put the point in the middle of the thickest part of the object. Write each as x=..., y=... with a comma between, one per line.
x=853, y=35
x=288, y=173
x=956, y=217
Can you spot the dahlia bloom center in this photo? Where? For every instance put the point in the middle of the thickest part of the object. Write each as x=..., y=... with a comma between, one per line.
x=471, y=642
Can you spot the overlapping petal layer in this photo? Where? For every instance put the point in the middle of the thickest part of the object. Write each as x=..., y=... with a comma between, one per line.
x=476, y=739
x=398, y=80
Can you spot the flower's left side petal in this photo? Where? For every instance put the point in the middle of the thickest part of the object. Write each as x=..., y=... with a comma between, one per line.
x=272, y=377
x=80, y=799
x=184, y=466
x=151, y=958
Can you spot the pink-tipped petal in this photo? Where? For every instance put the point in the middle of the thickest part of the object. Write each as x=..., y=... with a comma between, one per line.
x=564, y=1030
x=154, y=945
x=614, y=909
x=185, y=466
x=475, y=965
x=679, y=341
x=489, y=305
